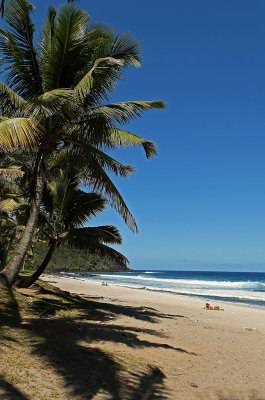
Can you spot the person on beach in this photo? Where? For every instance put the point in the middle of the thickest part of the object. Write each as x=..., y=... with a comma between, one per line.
x=216, y=308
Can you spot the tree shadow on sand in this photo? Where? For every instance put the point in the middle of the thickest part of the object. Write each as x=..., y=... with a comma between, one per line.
x=148, y=386
x=100, y=310
x=9, y=312
x=9, y=392
x=69, y=346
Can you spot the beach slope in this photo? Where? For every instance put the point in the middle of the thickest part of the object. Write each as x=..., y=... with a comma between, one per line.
x=195, y=353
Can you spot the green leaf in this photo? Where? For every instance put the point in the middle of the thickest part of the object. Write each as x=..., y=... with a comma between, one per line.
x=11, y=172
x=48, y=32
x=126, y=47
x=122, y=47
x=98, y=180
x=18, y=51
x=82, y=239
x=61, y=61
x=80, y=153
x=57, y=102
x=18, y=133
x=86, y=84
x=123, y=112
x=102, y=234
x=121, y=138
x=10, y=101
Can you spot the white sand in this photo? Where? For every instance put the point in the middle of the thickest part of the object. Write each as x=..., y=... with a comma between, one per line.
x=222, y=352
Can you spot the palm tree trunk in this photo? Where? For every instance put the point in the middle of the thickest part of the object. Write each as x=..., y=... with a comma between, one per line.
x=11, y=270
x=31, y=279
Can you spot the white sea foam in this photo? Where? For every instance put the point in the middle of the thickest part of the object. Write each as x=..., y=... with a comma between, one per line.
x=201, y=283
x=242, y=291
x=224, y=294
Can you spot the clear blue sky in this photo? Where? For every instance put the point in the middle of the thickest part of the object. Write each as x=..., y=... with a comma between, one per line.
x=201, y=203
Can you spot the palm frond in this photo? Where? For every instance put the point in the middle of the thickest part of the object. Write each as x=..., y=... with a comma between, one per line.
x=56, y=103
x=124, y=48
x=123, y=112
x=62, y=194
x=98, y=234
x=121, y=46
x=18, y=133
x=83, y=88
x=10, y=101
x=11, y=172
x=18, y=51
x=121, y=138
x=48, y=32
x=98, y=180
x=8, y=204
x=92, y=173
x=67, y=204
x=83, y=207
x=98, y=126
x=62, y=61
x=79, y=153
x=83, y=239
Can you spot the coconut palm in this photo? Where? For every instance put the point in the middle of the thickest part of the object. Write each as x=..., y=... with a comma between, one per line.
x=66, y=208
x=54, y=100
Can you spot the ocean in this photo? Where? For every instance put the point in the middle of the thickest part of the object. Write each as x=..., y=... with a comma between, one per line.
x=245, y=288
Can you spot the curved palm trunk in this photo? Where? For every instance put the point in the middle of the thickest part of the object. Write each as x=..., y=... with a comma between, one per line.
x=31, y=279
x=11, y=270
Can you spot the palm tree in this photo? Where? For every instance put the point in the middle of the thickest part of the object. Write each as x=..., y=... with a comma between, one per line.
x=54, y=101
x=65, y=210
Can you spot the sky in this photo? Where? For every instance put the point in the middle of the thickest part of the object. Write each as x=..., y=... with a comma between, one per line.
x=199, y=204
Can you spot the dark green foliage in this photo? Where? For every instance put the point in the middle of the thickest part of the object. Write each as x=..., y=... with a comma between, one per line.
x=71, y=260
x=53, y=104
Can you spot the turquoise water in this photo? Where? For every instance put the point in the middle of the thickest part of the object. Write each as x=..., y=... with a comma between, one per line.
x=235, y=287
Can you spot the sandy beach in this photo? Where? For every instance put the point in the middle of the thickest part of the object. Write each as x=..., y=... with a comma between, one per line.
x=203, y=354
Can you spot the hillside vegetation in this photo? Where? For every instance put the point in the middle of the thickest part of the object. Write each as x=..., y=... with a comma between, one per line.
x=71, y=260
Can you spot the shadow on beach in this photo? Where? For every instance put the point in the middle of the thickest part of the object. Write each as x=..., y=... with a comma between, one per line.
x=66, y=332
x=101, y=309
x=9, y=312
x=68, y=345
x=9, y=392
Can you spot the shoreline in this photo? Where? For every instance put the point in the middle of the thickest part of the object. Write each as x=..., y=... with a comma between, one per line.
x=203, y=354
x=204, y=298
x=254, y=317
